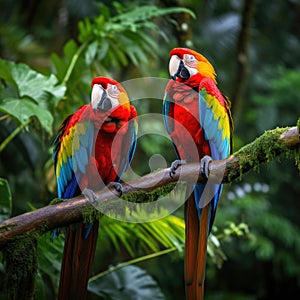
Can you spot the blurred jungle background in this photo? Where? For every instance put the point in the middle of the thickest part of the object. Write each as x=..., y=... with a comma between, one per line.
x=50, y=51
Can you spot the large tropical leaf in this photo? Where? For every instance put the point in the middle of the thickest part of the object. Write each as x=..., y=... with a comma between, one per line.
x=127, y=283
x=152, y=236
x=41, y=88
x=24, y=109
x=28, y=93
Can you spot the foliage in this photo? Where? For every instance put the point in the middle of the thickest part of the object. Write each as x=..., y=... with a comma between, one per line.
x=118, y=40
x=167, y=232
x=28, y=94
x=110, y=42
x=45, y=75
x=130, y=282
x=227, y=233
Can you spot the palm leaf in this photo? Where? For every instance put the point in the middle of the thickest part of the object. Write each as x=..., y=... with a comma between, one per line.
x=152, y=236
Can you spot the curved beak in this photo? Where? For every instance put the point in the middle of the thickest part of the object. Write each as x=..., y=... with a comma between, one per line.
x=174, y=65
x=177, y=68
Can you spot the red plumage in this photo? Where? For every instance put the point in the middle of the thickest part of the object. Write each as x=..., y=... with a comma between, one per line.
x=93, y=148
x=198, y=119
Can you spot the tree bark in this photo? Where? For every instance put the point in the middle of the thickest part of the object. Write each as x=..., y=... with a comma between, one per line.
x=264, y=149
x=242, y=59
x=182, y=29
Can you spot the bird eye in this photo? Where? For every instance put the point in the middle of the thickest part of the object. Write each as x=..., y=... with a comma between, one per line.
x=189, y=57
x=114, y=88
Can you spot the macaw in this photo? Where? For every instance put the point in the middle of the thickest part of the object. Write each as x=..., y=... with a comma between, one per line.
x=93, y=148
x=194, y=106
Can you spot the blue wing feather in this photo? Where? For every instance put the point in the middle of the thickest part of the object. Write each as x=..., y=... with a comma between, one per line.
x=81, y=158
x=213, y=128
x=166, y=112
x=72, y=169
x=129, y=150
x=168, y=121
x=219, y=148
x=210, y=124
x=71, y=189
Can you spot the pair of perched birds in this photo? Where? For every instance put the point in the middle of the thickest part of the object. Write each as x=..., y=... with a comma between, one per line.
x=99, y=140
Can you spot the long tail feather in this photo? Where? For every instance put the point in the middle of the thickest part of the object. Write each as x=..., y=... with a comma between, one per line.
x=77, y=258
x=191, y=236
x=197, y=228
x=201, y=252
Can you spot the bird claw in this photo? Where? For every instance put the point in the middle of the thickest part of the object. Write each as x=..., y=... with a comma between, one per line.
x=175, y=165
x=117, y=186
x=90, y=195
x=204, y=165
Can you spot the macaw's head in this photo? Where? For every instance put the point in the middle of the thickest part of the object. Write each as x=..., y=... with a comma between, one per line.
x=190, y=67
x=109, y=100
x=107, y=94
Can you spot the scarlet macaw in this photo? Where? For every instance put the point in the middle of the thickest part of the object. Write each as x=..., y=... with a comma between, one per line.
x=83, y=152
x=194, y=106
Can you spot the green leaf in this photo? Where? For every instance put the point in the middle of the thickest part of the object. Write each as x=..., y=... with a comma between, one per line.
x=91, y=52
x=5, y=200
x=70, y=49
x=125, y=37
x=5, y=71
x=50, y=255
x=40, y=292
x=40, y=88
x=59, y=65
x=128, y=283
x=49, y=261
x=23, y=109
x=166, y=232
x=102, y=49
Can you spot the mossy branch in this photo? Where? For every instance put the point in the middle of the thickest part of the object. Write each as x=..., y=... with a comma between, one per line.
x=264, y=149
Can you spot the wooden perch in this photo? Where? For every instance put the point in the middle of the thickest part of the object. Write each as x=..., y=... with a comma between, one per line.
x=264, y=149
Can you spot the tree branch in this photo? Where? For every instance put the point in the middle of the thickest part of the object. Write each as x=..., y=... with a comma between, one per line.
x=264, y=149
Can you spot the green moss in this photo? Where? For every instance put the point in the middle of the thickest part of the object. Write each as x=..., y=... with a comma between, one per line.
x=115, y=207
x=297, y=158
x=7, y=227
x=264, y=149
x=144, y=197
x=21, y=265
x=297, y=151
x=90, y=214
x=56, y=201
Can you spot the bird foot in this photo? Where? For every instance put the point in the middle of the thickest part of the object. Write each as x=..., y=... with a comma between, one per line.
x=175, y=165
x=90, y=195
x=117, y=186
x=204, y=165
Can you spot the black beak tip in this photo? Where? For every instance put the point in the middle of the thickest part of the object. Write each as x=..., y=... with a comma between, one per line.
x=182, y=72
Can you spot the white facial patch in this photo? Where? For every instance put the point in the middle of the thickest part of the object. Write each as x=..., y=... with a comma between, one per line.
x=113, y=94
x=189, y=58
x=190, y=62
